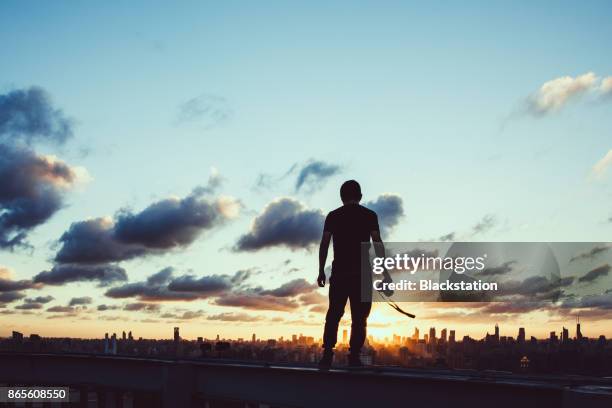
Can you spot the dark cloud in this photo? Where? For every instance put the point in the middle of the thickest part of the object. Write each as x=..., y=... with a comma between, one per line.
x=282, y=298
x=77, y=301
x=39, y=299
x=598, y=272
x=162, y=286
x=313, y=175
x=291, y=288
x=103, y=308
x=31, y=191
x=284, y=222
x=502, y=269
x=256, y=301
x=28, y=115
x=8, y=297
x=65, y=273
x=590, y=254
x=144, y=307
x=8, y=285
x=62, y=309
x=389, y=207
x=29, y=306
x=600, y=301
x=163, y=226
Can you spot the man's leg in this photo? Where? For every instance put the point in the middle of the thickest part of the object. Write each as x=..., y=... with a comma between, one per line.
x=359, y=318
x=338, y=296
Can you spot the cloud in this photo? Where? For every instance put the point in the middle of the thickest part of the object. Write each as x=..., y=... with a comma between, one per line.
x=502, y=269
x=39, y=299
x=30, y=306
x=257, y=301
x=600, y=169
x=164, y=225
x=313, y=175
x=162, y=286
x=556, y=93
x=8, y=297
x=596, y=273
x=8, y=285
x=144, y=307
x=447, y=237
x=606, y=87
x=285, y=222
x=103, y=308
x=187, y=315
x=29, y=115
x=205, y=110
x=65, y=273
x=291, y=288
x=32, y=190
x=62, y=309
x=235, y=317
x=77, y=301
x=484, y=225
x=390, y=209
x=590, y=254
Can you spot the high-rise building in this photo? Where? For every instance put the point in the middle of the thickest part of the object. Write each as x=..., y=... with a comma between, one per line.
x=106, y=345
x=521, y=335
x=253, y=338
x=578, y=332
x=432, y=334
x=496, y=332
x=565, y=335
x=443, y=335
x=451, y=337
x=114, y=344
x=415, y=335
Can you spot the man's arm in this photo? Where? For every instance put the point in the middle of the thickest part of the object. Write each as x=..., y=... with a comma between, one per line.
x=379, y=250
x=379, y=246
x=323, y=248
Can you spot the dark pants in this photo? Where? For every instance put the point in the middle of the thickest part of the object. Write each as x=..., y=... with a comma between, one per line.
x=341, y=290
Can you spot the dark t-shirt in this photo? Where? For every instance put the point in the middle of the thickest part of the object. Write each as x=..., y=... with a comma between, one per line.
x=350, y=225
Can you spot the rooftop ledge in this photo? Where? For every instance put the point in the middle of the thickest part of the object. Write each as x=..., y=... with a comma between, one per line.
x=194, y=383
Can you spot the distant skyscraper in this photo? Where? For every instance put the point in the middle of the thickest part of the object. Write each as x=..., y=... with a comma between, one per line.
x=565, y=335
x=521, y=335
x=578, y=332
x=177, y=336
x=130, y=336
x=254, y=338
x=443, y=335
x=106, y=345
x=114, y=344
x=432, y=334
x=123, y=336
x=496, y=332
x=415, y=335
x=451, y=336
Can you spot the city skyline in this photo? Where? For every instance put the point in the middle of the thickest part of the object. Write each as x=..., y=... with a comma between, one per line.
x=172, y=166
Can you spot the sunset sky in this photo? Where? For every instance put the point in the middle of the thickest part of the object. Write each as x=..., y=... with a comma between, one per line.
x=171, y=165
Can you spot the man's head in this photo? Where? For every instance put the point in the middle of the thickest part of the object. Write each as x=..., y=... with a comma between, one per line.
x=350, y=191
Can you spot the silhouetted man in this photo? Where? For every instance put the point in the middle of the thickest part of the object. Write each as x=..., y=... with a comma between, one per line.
x=349, y=226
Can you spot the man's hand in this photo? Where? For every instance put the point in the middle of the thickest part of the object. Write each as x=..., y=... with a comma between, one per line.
x=321, y=279
x=387, y=279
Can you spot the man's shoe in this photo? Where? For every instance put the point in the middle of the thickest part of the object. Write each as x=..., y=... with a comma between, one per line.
x=354, y=361
x=326, y=360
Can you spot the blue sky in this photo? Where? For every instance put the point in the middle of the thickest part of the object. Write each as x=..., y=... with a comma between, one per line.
x=423, y=100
